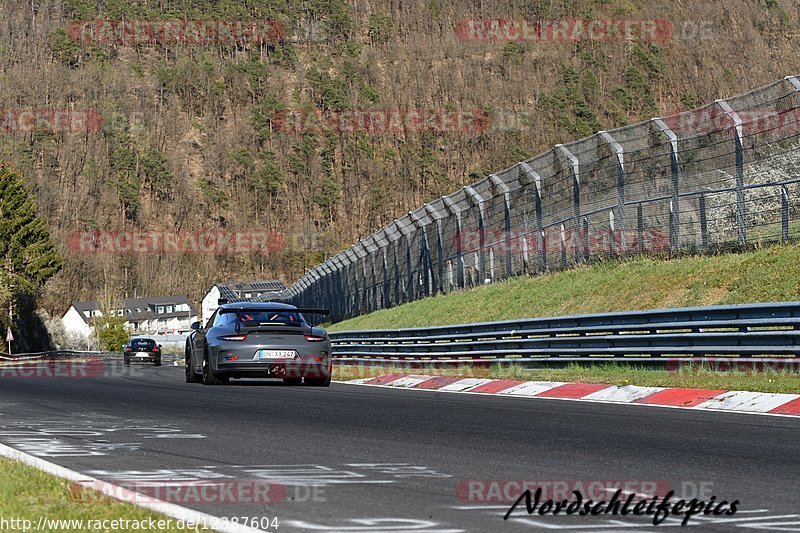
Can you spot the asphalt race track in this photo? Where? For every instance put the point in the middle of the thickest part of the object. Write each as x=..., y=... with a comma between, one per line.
x=355, y=458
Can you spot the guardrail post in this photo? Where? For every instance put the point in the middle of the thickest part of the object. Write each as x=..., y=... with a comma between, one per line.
x=674, y=225
x=500, y=184
x=620, y=153
x=477, y=200
x=739, y=146
x=537, y=181
x=703, y=223
x=576, y=197
x=784, y=214
x=453, y=209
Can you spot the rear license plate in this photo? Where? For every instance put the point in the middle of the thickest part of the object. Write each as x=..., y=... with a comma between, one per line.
x=142, y=354
x=276, y=354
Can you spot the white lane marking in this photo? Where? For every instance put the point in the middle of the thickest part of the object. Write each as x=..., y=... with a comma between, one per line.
x=123, y=494
x=376, y=525
x=626, y=394
x=623, y=491
x=465, y=384
x=479, y=507
x=714, y=520
x=771, y=526
x=590, y=527
x=399, y=470
x=759, y=402
x=309, y=475
x=531, y=388
x=546, y=398
x=194, y=474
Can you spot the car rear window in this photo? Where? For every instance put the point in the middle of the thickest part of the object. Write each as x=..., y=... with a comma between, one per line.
x=142, y=343
x=260, y=316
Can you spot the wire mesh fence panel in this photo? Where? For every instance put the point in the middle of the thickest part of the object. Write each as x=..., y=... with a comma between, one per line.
x=724, y=175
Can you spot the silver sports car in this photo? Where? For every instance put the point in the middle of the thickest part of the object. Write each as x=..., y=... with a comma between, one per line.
x=259, y=340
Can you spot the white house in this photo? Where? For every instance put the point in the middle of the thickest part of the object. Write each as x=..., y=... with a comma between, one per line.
x=235, y=292
x=150, y=315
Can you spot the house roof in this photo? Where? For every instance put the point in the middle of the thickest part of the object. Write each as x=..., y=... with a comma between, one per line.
x=143, y=303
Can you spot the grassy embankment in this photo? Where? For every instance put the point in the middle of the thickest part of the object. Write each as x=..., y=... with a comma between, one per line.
x=765, y=275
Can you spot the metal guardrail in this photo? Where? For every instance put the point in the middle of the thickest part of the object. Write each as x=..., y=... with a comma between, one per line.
x=51, y=354
x=741, y=331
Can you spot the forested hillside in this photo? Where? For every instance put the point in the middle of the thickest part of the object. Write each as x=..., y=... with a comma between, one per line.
x=193, y=136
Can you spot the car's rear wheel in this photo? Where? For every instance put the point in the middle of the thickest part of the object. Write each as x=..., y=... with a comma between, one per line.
x=318, y=382
x=209, y=378
x=191, y=375
x=157, y=361
x=127, y=361
x=292, y=381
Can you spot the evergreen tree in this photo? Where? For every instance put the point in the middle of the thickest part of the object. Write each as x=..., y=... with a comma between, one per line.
x=27, y=254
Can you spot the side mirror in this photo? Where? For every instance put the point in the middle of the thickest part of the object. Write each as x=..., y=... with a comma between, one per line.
x=160, y=346
x=195, y=326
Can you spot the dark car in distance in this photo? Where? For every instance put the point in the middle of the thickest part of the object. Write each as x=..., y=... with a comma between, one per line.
x=142, y=349
x=259, y=340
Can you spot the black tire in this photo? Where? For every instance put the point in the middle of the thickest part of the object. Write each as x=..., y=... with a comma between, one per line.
x=191, y=375
x=318, y=382
x=126, y=361
x=292, y=381
x=157, y=362
x=209, y=378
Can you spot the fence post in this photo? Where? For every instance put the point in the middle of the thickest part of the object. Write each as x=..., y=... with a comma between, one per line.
x=703, y=223
x=563, y=235
x=784, y=214
x=424, y=253
x=397, y=270
x=620, y=153
x=585, y=239
x=576, y=196
x=500, y=184
x=338, y=296
x=639, y=227
x=612, y=245
x=409, y=296
x=436, y=216
x=674, y=227
x=477, y=200
x=385, y=303
x=537, y=181
x=453, y=209
x=739, y=147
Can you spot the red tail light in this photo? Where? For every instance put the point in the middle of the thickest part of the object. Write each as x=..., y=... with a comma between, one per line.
x=241, y=337
x=315, y=338
x=156, y=349
x=128, y=349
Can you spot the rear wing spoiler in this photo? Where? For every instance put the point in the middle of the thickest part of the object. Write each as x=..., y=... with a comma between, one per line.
x=301, y=310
